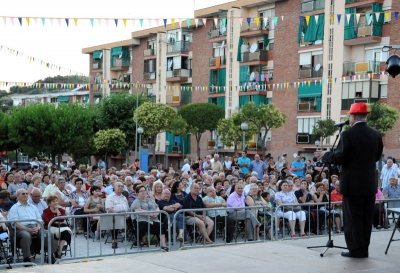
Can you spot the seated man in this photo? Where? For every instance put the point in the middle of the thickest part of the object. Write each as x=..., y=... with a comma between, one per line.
x=214, y=201
x=392, y=191
x=25, y=230
x=36, y=200
x=236, y=200
x=171, y=207
x=193, y=201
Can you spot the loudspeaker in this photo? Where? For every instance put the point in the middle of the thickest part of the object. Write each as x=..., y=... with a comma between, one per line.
x=393, y=65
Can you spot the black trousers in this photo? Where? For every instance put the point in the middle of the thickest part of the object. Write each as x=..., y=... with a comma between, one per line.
x=358, y=214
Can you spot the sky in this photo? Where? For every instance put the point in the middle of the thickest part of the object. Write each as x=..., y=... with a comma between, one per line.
x=62, y=45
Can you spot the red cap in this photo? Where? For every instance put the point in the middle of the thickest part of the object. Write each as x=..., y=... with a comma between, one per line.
x=359, y=108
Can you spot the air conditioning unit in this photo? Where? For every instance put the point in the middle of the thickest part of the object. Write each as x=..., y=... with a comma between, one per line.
x=308, y=6
x=146, y=76
x=303, y=138
x=96, y=65
x=364, y=31
x=361, y=100
x=214, y=33
x=175, y=149
x=213, y=61
x=303, y=107
x=305, y=73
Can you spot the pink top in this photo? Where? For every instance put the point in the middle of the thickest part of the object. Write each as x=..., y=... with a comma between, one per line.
x=235, y=201
x=378, y=194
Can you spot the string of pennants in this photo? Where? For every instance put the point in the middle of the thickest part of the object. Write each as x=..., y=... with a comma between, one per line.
x=164, y=21
x=35, y=60
x=368, y=15
x=240, y=88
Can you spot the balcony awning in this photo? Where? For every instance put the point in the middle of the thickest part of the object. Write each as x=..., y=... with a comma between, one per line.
x=116, y=51
x=63, y=99
x=97, y=54
x=310, y=91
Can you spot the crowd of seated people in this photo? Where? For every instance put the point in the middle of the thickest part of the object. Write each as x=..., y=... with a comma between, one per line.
x=235, y=183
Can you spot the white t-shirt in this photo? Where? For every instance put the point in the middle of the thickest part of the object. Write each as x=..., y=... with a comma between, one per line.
x=186, y=168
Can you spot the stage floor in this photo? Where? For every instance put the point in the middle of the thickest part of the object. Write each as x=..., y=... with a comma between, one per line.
x=277, y=256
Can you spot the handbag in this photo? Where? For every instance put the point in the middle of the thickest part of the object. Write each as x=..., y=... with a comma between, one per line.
x=292, y=208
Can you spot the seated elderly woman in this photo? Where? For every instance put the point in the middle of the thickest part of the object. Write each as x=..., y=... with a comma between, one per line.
x=148, y=221
x=236, y=200
x=286, y=196
x=95, y=205
x=171, y=206
x=59, y=228
x=36, y=183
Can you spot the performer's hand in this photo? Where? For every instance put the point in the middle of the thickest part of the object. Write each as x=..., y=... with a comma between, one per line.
x=319, y=154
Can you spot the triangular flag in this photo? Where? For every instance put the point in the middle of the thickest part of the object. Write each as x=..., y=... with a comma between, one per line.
x=275, y=21
x=141, y=22
x=106, y=21
x=197, y=22
x=149, y=20
x=20, y=20
x=76, y=22
x=396, y=15
x=124, y=21
x=265, y=20
x=157, y=22
x=67, y=21
x=91, y=21
x=223, y=22
x=338, y=18
x=316, y=18
x=332, y=18
x=215, y=22
x=241, y=21
x=180, y=23
x=204, y=21
x=257, y=19
x=367, y=16
x=387, y=13
x=248, y=19
x=116, y=22
x=28, y=20
x=307, y=19
x=51, y=21
x=357, y=17
x=43, y=21
x=348, y=18
x=5, y=20
x=282, y=17
x=188, y=22
x=377, y=15
x=165, y=23
x=173, y=22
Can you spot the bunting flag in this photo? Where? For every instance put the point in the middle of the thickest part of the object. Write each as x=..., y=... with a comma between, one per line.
x=32, y=59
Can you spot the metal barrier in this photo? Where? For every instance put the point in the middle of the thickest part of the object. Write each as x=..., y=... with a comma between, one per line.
x=11, y=224
x=113, y=222
x=227, y=220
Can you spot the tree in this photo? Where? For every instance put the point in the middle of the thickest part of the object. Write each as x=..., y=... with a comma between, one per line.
x=6, y=144
x=230, y=132
x=116, y=112
x=323, y=129
x=201, y=117
x=266, y=116
x=382, y=117
x=155, y=118
x=110, y=141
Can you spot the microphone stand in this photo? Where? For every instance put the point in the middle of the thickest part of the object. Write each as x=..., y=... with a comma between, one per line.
x=329, y=244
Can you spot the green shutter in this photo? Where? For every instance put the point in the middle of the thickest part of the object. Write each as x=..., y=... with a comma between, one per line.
x=350, y=27
x=171, y=138
x=63, y=99
x=244, y=74
x=318, y=104
x=311, y=32
x=97, y=95
x=265, y=40
x=97, y=54
x=211, y=78
x=210, y=100
x=221, y=77
x=221, y=102
x=186, y=148
x=116, y=51
x=239, y=53
x=377, y=24
x=243, y=100
x=258, y=99
x=321, y=27
x=312, y=91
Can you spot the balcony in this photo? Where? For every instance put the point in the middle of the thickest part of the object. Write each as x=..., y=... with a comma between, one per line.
x=118, y=64
x=312, y=104
x=178, y=75
x=180, y=46
x=213, y=61
x=212, y=90
x=185, y=97
x=364, y=34
x=254, y=30
x=149, y=76
x=361, y=3
x=353, y=68
x=150, y=52
x=312, y=5
x=217, y=34
x=97, y=65
x=258, y=57
x=309, y=72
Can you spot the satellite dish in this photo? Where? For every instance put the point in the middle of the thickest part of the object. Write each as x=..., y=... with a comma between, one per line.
x=253, y=48
x=295, y=155
x=252, y=76
x=317, y=67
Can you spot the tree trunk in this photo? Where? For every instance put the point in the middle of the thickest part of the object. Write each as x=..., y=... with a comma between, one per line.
x=198, y=144
x=59, y=160
x=235, y=148
x=153, y=159
x=263, y=146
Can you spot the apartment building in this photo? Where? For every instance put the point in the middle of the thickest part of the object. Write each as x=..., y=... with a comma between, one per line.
x=295, y=54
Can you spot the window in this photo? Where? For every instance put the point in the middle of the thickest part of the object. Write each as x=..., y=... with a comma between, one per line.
x=384, y=90
x=376, y=54
x=305, y=124
x=149, y=65
x=178, y=62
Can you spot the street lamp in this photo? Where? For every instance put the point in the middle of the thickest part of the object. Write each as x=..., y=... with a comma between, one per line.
x=140, y=132
x=244, y=126
x=317, y=143
x=137, y=117
x=166, y=156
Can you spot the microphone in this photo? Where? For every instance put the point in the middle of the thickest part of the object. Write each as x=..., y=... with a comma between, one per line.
x=341, y=124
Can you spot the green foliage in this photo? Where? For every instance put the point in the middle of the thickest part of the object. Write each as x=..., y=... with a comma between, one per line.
x=110, y=141
x=382, y=117
x=3, y=93
x=116, y=112
x=230, y=132
x=5, y=104
x=201, y=117
x=264, y=116
x=6, y=144
x=178, y=126
x=324, y=128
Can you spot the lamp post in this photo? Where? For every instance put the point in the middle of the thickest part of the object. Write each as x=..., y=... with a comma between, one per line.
x=137, y=117
x=244, y=126
x=166, y=155
x=140, y=132
x=317, y=143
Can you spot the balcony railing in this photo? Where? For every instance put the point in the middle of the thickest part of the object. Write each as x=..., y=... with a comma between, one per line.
x=254, y=26
x=309, y=72
x=216, y=90
x=149, y=52
x=352, y=68
x=354, y=1
x=120, y=62
x=149, y=76
x=312, y=5
x=217, y=32
x=184, y=73
x=97, y=64
x=178, y=46
x=185, y=97
x=261, y=55
x=213, y=61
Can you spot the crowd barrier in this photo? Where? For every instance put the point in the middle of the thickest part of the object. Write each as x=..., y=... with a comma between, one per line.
x=130, y=237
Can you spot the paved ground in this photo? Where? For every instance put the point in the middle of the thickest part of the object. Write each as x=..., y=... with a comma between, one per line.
x=278, y=256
